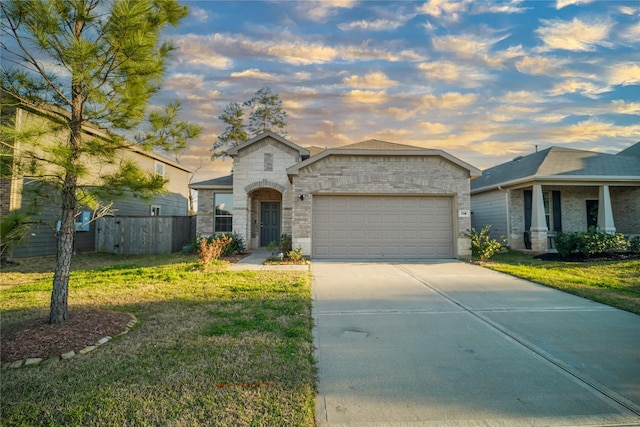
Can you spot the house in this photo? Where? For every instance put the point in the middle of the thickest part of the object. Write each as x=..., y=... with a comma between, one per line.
x=372, y=199
x=42, y=240
x=530, y=199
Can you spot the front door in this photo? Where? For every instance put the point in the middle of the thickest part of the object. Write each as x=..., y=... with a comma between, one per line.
x=270, y=222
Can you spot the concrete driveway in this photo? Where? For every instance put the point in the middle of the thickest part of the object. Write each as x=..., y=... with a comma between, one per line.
x=453, y=344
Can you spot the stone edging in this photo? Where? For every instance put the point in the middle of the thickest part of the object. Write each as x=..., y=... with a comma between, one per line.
x=68, y=355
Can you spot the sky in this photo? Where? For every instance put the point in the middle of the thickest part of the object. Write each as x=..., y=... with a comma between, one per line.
x=484, y=81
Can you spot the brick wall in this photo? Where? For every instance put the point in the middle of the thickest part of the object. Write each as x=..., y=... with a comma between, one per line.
x=390, y=175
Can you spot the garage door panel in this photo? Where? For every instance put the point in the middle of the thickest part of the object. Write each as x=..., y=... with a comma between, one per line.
x=382, y=227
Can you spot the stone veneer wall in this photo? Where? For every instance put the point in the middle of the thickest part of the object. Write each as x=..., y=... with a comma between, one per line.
x=384, y=175
x=249, y=175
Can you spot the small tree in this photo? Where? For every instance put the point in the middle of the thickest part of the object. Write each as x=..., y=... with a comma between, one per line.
x=482, y=245
x=267, y=113
x=109, y=61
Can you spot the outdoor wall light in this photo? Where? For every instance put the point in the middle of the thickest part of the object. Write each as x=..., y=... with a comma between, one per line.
x=301, y=197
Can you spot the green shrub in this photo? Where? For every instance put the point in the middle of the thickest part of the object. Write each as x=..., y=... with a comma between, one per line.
x=283, y=244
x=634, y=244
x=236, y=246
x=591, y=243
x=482, y=245
x=566, y=243
x=295, y=255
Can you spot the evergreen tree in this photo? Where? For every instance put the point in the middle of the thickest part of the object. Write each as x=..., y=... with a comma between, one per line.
x=267, y=113
x=234, y=134
x=96, y=63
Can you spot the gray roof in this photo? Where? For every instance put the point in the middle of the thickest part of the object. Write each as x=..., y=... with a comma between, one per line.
x=221, y=182
x=374, y=147
x=634, y=151
x=562, y=164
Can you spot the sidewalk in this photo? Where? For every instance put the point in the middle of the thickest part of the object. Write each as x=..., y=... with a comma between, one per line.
x=256, y=259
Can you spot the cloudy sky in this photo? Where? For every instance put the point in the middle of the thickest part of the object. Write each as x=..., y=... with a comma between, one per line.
x=484, y=81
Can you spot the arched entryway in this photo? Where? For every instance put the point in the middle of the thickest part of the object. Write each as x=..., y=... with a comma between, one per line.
x=265, y=216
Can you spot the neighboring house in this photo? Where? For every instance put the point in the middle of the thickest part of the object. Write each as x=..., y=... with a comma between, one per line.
x=530, y=199
x=373, y=199
x=42, y=240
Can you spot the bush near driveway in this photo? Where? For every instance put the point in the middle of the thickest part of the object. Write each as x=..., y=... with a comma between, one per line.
x=213, y=347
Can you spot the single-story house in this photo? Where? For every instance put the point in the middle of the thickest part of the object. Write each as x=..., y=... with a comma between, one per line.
x=530, y=199
x=372, y=199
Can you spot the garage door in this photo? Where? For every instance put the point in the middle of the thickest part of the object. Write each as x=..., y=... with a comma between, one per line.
x=382, y=227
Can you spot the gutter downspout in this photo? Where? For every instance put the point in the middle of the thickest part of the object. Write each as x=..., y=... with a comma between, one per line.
x=506, y=199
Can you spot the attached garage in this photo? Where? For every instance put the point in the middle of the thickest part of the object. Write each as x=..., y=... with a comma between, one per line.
x=372, y=226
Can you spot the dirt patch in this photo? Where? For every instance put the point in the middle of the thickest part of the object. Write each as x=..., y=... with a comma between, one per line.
x=622, y=256
x=37, y=338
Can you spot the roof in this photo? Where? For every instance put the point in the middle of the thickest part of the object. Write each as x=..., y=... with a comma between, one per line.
x=313, y=150
x=375, y=144
x=374, y=147
x=634, y=151
x=223, y=182
x=268, y=134
x=559, y=164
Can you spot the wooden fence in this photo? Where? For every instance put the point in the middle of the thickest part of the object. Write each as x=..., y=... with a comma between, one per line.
x=128, y=235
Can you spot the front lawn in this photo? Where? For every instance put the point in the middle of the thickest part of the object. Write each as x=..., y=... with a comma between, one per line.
x=615, y=283
x=212, y=347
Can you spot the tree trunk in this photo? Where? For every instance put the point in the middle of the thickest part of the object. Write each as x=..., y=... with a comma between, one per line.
x=59, y=309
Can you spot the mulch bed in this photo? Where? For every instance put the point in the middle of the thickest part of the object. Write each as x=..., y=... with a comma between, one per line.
x=622, y=256
x=37, y=338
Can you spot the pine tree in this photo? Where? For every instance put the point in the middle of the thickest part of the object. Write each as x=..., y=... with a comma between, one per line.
x=234, y=134
x=96, y=63
x=267, y=113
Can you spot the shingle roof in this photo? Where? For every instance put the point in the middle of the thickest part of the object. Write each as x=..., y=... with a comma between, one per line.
x=560, y=163
x=375, y=144
x=634, y=151
x=223, y=181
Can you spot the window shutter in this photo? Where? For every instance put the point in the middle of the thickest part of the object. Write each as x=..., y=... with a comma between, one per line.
x=557, y=212
x=528, y=201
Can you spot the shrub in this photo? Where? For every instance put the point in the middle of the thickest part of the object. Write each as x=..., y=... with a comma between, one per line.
x=236, y=246
x=597, y=243
x=591, y=243
x=283, y=244
x=482, y=245
x=212, y=248
x=634, y=244
x=295, y=255
x=566, y=243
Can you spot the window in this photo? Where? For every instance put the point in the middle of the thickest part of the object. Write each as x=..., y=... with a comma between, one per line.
x=268, y=162
x=160, y=169
x=223, y=214
x=155, y=210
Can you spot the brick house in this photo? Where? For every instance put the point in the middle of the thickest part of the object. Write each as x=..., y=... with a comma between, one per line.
x=530, y=199
x=372, y=199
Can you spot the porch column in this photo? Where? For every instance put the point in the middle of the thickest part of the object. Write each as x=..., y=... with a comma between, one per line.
x=538, y=221
x=605, y=213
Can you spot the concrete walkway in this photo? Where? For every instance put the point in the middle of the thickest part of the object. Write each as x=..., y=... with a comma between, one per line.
x=453, y=344
x=256, y=259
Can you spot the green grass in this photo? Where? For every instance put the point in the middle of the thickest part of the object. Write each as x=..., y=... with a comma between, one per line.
x=615, y=283
x=214, y=347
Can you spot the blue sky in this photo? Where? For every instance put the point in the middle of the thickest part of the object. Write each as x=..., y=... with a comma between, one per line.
x=484, y=81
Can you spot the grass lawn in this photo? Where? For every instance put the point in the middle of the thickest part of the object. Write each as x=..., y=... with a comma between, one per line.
x=615, y=283
x=212, y=347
